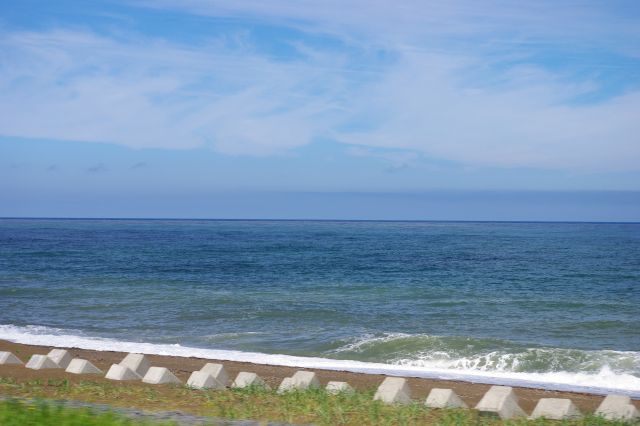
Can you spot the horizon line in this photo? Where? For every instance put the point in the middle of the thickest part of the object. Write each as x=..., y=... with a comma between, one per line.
x=314, y=220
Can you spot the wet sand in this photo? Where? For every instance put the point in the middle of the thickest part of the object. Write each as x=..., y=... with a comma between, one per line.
x=273, y=375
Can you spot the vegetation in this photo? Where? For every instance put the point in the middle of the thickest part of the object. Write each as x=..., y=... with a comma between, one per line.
x=15, y=413
x=312, y=406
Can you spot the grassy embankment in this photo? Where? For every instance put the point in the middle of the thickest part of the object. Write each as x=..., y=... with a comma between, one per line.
x=313, y=406
x=15, y=413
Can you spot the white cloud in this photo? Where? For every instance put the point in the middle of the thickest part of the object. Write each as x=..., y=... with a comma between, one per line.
x=412, y=23
x=421, y=106
x=142, y=92
x=148, y=93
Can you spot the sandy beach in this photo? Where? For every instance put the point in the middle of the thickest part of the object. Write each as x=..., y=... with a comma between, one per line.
x=273, y=375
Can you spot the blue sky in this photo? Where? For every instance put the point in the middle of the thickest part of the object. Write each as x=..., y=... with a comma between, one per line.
x=198, y=108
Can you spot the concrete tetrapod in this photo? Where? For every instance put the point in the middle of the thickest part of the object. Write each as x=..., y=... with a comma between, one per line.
x=286, y=385
x=62, y=357
x=339, y=387
x=303, y=380
x=617, y=407
x=217, y=371
x=203, y=380
x=555, y=409
x=7, y=358
x=444, y=398
x=121, y=372
x=137, y=363
x=160, y=376
x=500, y=401
x=41, y=362
x=82, y=366
x=393, y=390
x=244, y=380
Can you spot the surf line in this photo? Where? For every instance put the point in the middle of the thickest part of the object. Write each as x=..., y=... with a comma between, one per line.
x=600, y=384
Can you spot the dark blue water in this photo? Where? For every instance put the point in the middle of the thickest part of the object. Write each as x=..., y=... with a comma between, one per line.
x=521, y=297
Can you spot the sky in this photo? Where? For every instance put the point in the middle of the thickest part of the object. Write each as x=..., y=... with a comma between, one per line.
x=457, y=109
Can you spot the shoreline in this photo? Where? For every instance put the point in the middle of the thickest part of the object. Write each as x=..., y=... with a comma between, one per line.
x=272, y=374
x=603, y=383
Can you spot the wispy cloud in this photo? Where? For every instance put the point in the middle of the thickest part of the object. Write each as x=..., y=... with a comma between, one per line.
x=149, y=93
x=97, y=168
x=424, y=106
x=139, y=165
x=439, y=80
x=416, y=24
x=394, y=160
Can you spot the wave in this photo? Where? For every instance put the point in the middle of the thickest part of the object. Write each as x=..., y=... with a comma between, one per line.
x=443, y=366
x=466, y=353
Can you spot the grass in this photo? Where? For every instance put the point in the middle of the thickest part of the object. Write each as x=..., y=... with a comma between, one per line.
x=301, y=407
x=15, y=413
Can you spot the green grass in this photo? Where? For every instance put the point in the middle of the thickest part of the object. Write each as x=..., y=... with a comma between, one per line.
x=301, y=407
x=359, y=408
x=16, y=413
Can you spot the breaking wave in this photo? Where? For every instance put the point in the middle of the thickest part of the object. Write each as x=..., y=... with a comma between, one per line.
x=465, y=353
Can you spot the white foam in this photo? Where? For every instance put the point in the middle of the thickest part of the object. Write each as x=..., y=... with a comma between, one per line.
x=369, y=339
x=604, y=382
x=504, y=361
x=509, y=359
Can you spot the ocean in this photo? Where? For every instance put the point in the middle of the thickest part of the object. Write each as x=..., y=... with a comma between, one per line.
x=555, y=305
